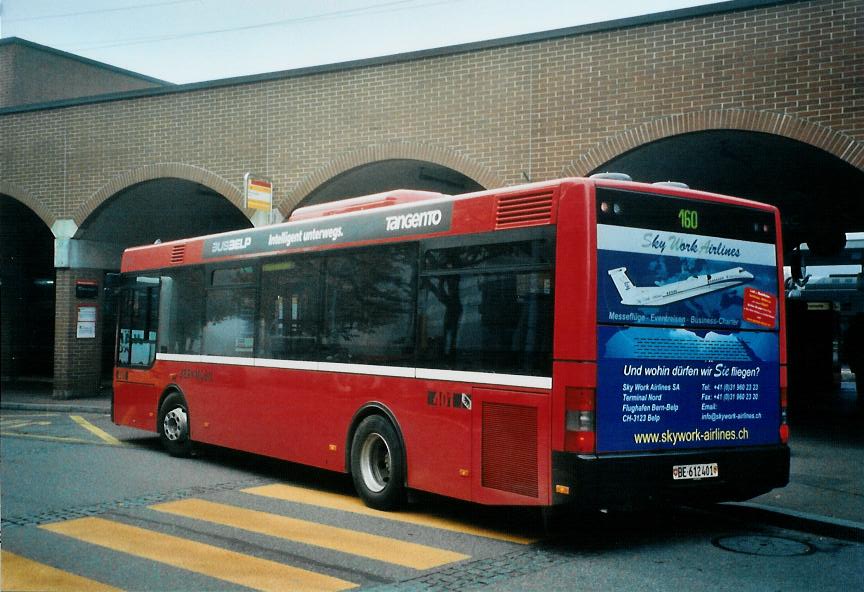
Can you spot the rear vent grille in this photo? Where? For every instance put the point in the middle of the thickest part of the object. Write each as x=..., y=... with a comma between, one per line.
x=178, y=254
x=524, y=210
x=509, y=448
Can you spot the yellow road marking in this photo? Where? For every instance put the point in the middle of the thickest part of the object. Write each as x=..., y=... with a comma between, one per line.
x=14, y=425
x=49, y=438
x=99, y=433
x=362, y=544
x=345, y=503
x=25, y=575
x=252, y=572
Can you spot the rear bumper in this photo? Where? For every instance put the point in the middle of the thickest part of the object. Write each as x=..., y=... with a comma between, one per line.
x=625, y=480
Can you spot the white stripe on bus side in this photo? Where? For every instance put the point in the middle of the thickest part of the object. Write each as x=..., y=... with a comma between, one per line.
x=518, y=380
x=541, y=382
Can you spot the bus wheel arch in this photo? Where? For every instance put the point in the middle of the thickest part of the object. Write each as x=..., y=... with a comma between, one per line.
x=376, y=458
x=173, y=423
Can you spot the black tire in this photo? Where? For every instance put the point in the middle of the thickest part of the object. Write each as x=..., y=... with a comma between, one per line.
x=173, y=425
x=377, y=465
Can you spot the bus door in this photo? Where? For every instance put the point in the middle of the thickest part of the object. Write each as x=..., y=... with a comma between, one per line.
x=135, y=390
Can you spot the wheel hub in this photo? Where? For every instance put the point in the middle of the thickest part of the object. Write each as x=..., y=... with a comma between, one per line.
x=375, y=462
x=174, y=424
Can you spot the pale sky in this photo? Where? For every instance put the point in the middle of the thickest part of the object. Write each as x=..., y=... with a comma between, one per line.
x=195, y=40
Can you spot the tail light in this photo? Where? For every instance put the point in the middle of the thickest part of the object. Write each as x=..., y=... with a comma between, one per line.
x=579, y=429
x=784, y=426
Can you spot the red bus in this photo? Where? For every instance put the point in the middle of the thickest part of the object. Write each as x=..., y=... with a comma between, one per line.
x=593, y=341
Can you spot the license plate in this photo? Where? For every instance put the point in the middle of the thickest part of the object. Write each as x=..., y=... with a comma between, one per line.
x=703, y=471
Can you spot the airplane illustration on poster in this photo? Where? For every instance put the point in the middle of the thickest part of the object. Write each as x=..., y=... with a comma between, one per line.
x=675, y=292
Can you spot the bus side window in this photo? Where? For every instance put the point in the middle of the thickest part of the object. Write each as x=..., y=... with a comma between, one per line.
x=487, y=307
x=229, y=328
x=290, y=309
x=369, y=312
x=181, y=312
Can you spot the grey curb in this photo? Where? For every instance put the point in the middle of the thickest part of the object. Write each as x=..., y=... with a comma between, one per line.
x=837, y=528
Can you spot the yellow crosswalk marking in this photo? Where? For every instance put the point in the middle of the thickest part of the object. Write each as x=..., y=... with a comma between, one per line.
x=252, y=572
x=345, y=503
x=381, y=548
x=25, y=575
x=99, y=433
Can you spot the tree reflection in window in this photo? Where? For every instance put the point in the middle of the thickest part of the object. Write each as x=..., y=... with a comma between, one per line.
x=487, y=308
x=369, y=306
x=229, y=328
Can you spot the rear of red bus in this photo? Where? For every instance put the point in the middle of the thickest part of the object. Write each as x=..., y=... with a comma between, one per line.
x=669, y=348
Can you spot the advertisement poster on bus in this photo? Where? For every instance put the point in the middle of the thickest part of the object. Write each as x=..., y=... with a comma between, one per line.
x=688, y=353
x=649, y=277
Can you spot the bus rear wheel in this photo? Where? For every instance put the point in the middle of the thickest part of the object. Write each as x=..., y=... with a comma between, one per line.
x=174, y=425
x=376, y=464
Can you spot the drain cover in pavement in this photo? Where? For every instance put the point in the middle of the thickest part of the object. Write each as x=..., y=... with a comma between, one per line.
x=769, y=546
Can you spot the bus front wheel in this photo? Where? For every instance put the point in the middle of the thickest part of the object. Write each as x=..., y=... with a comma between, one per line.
x=376, y=464
x=174, y=425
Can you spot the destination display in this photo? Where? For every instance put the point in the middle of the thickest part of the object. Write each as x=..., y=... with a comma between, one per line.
x=375, y=224
x=688, y=350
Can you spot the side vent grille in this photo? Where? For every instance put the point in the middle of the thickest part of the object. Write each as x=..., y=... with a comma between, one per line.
x=524, y=210
x=178, y=254
x=509, y=448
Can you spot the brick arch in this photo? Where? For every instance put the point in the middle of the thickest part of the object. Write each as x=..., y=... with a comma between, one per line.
x=788, y=126
x=390, y=151
x=160, y=171
x=21, y=195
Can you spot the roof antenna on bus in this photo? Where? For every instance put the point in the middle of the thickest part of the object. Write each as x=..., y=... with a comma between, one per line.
x=612, y=176
x=158, y=241
x=526, y=176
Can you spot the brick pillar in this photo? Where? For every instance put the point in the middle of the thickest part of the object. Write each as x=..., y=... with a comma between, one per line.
x=77, y=360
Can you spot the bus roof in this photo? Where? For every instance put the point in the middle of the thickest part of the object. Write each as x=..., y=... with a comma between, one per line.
x=366, y=202
x=391, y=216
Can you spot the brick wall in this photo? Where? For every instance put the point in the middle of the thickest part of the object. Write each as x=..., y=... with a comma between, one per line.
x=33, y=73
x=76, y=360
x=546, y=108
x=496, y=113
x=7, y=76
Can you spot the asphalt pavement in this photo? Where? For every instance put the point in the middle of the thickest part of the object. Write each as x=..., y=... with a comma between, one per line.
x=825, y=494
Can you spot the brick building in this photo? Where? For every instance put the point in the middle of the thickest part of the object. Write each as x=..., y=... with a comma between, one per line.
x=756, y=98
x=31, y=73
